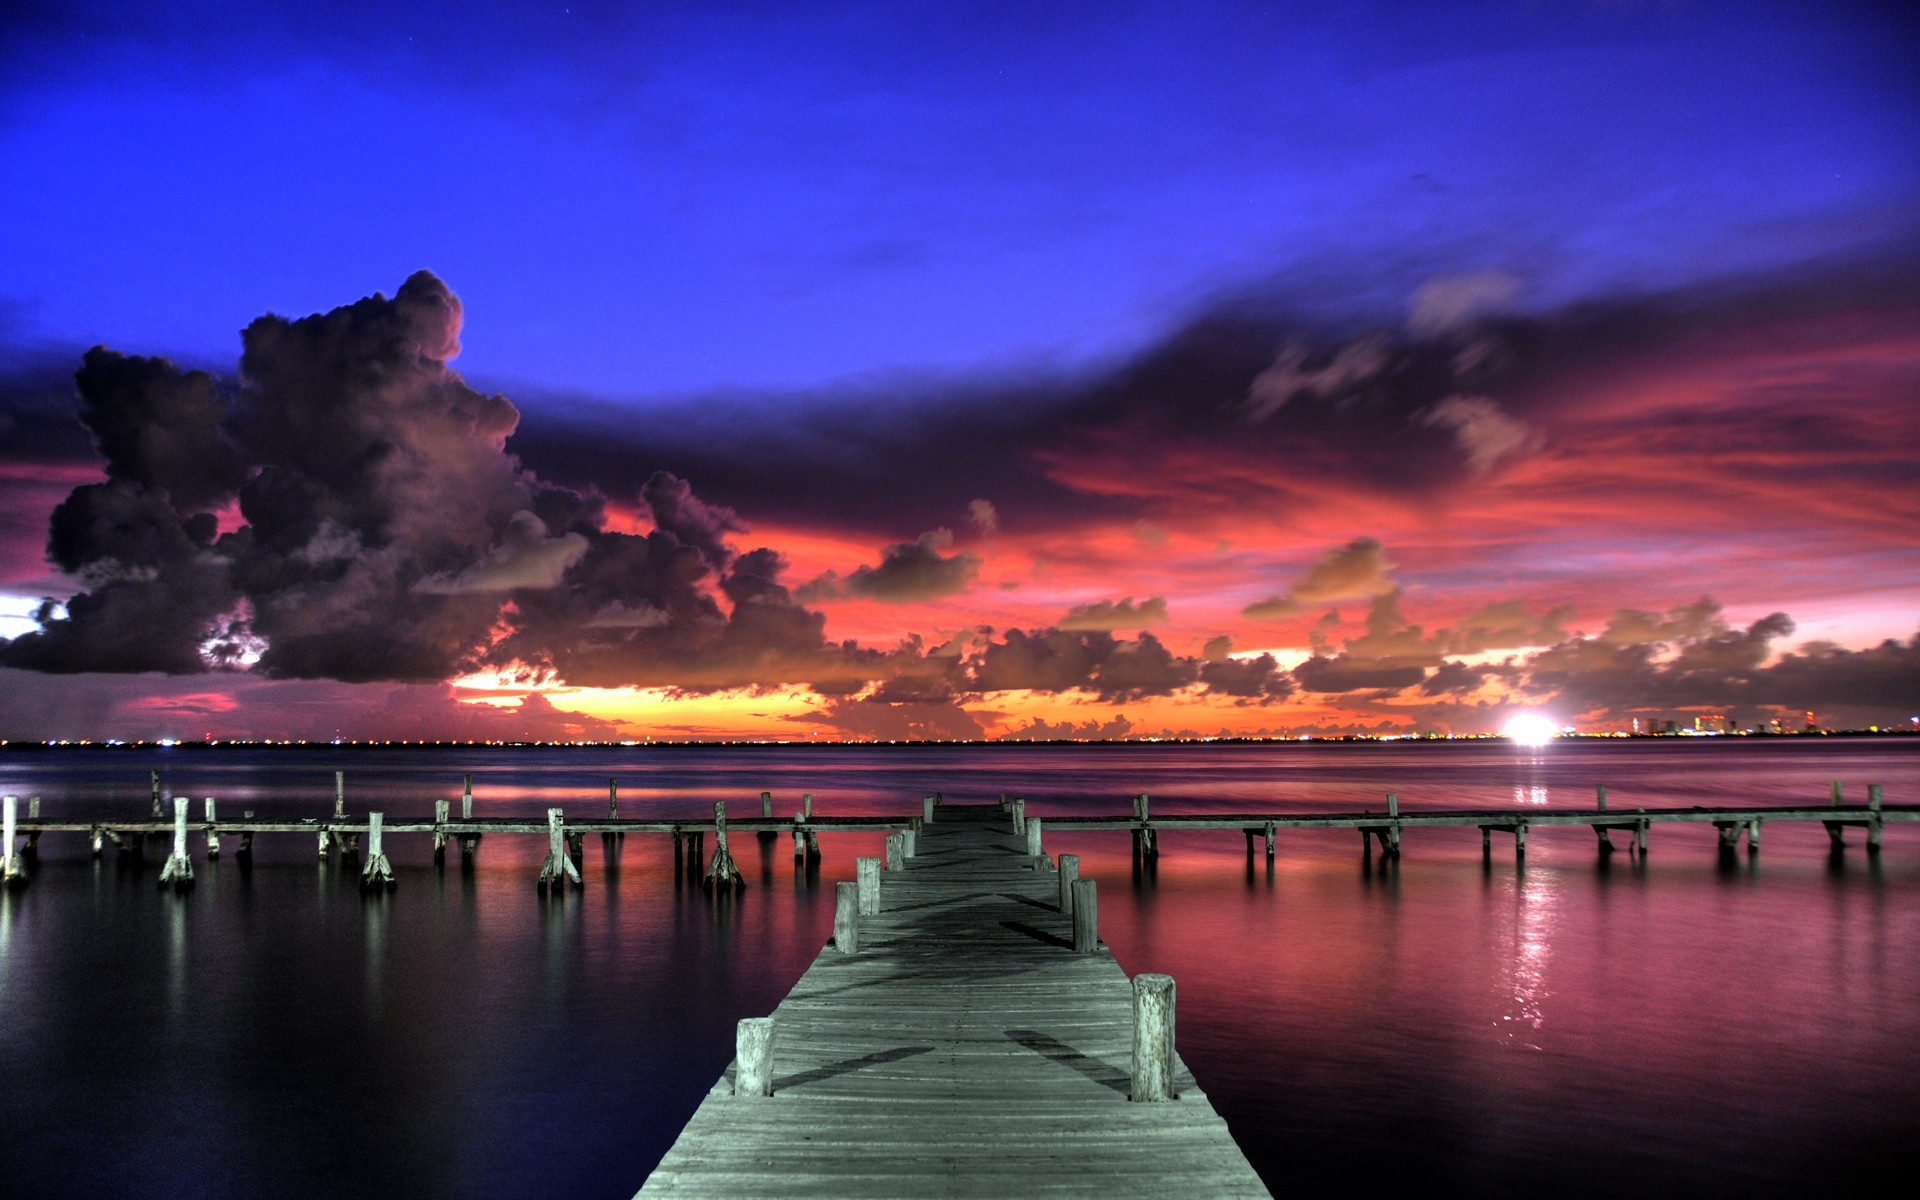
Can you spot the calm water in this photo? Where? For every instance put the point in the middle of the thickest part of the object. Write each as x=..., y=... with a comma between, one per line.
x=1678, y=1027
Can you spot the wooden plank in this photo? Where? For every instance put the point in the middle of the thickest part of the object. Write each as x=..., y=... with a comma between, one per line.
x=964, y=1050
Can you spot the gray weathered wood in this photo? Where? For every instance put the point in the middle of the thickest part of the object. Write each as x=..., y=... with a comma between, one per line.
x=867, y=872
x=12, y=870
x=178, y=869
x=896, y=852
x=753, y=1057
x=1152, y=1038
x=1069, y=875
x=846, y=917
x=1086, y=916
x=378, y=873
x=213, y=833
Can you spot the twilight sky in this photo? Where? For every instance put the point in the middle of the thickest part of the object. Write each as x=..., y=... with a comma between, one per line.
x=946, y=370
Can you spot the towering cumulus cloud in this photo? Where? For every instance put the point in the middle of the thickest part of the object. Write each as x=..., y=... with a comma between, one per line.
x=378, y=529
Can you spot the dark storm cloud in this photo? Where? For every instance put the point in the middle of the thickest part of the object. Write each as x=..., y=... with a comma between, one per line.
x=908, y=572
x=387, y=534
x=1116, y=615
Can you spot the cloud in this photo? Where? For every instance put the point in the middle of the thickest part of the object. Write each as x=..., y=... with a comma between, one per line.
x=1485, y=432
x=909, y=572
x=1449, y=302
x=984, y=517
x=525, y=558
x=1115, y=616
x=1507, y=626
x=1348, y=572
x=1288, y=376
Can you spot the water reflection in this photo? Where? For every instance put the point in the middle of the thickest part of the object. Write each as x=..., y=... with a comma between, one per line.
x=1534, y=901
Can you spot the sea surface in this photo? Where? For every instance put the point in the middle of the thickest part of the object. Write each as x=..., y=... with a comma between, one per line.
x=1684, y=1025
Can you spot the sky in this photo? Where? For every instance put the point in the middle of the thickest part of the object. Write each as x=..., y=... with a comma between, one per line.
x=848, y=371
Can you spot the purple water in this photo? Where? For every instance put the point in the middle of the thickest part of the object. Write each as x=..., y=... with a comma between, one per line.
x=1683, y=1025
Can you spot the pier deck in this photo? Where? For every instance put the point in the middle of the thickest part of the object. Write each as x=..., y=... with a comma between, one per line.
x=965, y=1050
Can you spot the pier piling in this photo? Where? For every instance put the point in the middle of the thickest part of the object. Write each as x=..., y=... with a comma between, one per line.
x=1086, y=916
x=558, y=867
x=867, y=874
x=846, y=917
x=1153, y=1000
x=12, y=871
x=213, y=833
x=178, y=869
x=721, y=871
x=1069, y=875
x=378, y=873
x=753, y=1057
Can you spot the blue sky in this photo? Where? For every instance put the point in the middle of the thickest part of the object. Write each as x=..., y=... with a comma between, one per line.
x=775, y=196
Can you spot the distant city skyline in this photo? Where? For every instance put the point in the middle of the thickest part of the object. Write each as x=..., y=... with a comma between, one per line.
x=1215, y=370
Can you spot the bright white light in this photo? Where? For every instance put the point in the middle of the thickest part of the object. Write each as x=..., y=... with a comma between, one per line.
x=1531, y=729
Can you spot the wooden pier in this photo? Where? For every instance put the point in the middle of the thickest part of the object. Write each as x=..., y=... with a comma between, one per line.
x=956, y=1038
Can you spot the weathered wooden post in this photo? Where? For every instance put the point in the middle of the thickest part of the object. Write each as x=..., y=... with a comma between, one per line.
x=1069, y=875
x=558, y=867
x=1019, y=817
x=213, y=833
x=1753, y=836
x=12, y=870
x=441, y=810
x=721, y=871
x=378, y=873
x=323, y=843
x=1834, y=787
x=867, y=872
x=1269, y=841
x=178, y=870
x=1600, y=796
x=806, y=804
x=799, y=836
x=1034, y=851
x=1390, y=837
x=155, y=778
x=1874, y=819
x=466, y=798
x=753, y=1057
x=613, y=799
x=926, y=809
x=1152, y=1038
x=910, y=838
x=1144, y=845
x=1086, y=916
x=896, y=852
x=766, y=806
x=1601, y=831
x=846, y=918
x=339, y=793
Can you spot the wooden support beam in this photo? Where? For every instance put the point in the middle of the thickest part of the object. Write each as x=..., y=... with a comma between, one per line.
x=12, y=871
x=722, y=873
x=1153, y=998
x=378, y=873
x=558, y=867
x=178, y=870
x=1069, y=875
x=846, y=918
x=753, y=1057
x=867, y=874
x=1086, y=916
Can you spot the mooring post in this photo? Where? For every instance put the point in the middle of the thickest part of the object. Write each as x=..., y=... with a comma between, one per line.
x=613, y=799
x=378, y=873
x=11, y=869
x=1640, y=828
x=466, y=799
x=98, y=839
x=1086, y=916
x=1520, y=840
x=753, y=1057
x=323, y=843
x=1834, y=787
x=1019, y=816
x=1753, y=836
x=1874, y=819
x=910, y=838
x=558, y=867
x=766, y=806
x=867, y=873
x=441, y=810
x=155, y=777
x=926, y=809
x=799, y=836
x=1390, y=836
x=1038, y=855
x=1600, y=796
x=806, y=804
x=339, y=793
x=213, y=833
x=846, y=918
x=1069, y=875
x=1152, y=1037
x=178, y=870
x=1269, y=841
x=721, y=871
x=896, y=852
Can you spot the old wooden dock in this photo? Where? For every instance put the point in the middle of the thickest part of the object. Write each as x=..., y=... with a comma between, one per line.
x=956, y=1043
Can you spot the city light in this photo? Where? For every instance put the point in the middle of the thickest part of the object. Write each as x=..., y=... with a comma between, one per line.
x=1530, y=729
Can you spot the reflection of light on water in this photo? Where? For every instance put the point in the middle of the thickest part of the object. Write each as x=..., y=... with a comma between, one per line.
x=1529, y=795
x=6, y=943
x=376, y=908
x=177, y=957
x=1524, y=979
